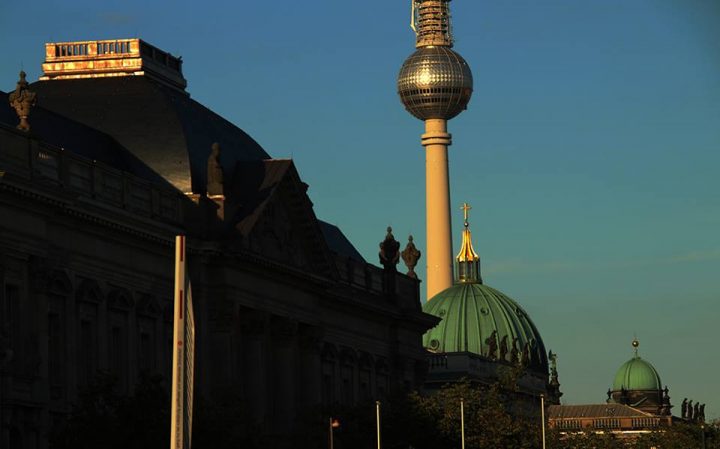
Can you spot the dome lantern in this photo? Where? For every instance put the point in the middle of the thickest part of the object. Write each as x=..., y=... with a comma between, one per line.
x=468, y=262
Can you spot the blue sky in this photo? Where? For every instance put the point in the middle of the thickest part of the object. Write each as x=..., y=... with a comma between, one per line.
x=589, y=150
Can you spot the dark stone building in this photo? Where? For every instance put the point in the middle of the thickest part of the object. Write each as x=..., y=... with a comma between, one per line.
x=117, y=160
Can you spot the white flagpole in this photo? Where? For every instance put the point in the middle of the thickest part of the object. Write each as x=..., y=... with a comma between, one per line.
x=183, y=354
x=377, y=420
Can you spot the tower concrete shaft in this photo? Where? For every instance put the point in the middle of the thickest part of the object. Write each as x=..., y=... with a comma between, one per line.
x=435, y=85
x=437, y=206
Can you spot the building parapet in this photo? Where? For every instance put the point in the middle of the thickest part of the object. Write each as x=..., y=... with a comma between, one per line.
x=369, y=277
x=46, y=165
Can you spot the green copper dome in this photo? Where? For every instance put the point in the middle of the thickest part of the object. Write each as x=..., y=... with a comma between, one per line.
x=637, y=374
x=481, y=320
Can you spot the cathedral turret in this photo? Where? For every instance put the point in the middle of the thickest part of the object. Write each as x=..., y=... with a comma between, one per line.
x=638, y=385
x=435, y=85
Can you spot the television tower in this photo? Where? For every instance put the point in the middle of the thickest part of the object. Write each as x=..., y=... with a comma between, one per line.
x=435, y=85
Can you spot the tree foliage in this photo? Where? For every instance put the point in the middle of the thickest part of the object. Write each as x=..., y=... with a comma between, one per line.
x=102, y=418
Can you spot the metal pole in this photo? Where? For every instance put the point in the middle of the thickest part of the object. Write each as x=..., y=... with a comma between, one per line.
x=330, y=432
x=462, y=422
x=542, y=414
x=377, y=420
x=702, y=428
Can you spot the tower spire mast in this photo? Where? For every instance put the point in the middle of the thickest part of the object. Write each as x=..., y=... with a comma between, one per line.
x=435, y=85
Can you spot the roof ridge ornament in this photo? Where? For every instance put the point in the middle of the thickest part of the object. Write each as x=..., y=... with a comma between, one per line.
x=22, y=100
x=411, y=255
x=635, y=344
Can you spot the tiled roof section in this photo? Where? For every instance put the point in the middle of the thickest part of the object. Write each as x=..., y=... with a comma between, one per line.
x=595, y=411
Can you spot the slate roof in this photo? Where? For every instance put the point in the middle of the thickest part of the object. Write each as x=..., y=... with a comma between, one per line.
x=338, y=243
x=595, y=411
x=162, y=126
x=251, y=188
x=62, y=132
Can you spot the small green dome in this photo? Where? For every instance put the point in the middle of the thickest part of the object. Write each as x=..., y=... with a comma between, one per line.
x=481, y=320
x=637, y=374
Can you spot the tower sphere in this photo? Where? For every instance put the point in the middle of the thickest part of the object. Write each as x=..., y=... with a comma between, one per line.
x=435, y=83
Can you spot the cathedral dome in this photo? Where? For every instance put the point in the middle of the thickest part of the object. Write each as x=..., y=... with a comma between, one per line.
x=637, y=374
x=481, y=320
x=484, y=321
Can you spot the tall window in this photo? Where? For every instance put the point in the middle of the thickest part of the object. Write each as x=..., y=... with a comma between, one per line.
x=11, y=316
x=147, y=352
x=56, y=354
x=118, y=355
x=86, y=352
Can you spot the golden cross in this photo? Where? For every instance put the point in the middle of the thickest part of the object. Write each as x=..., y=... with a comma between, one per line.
x=465, y=207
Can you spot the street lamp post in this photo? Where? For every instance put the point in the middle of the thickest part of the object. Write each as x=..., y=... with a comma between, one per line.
x=542, y=417
x=462, y=422
x=332, y=425
x=702, y=429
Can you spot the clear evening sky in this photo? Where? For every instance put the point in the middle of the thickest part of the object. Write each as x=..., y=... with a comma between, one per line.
x=589, y=151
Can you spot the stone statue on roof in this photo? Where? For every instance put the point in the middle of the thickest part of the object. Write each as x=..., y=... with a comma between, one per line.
x=683, y=408
x=504, y=347
x=22, y=100
x=492, y=343
x=514, y=351
x=214, y=172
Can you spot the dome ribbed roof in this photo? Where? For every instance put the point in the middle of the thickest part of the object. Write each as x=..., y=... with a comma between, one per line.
x=637, y=374
x=471, y=312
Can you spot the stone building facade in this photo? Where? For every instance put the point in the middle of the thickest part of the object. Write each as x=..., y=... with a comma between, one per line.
x=288, y=314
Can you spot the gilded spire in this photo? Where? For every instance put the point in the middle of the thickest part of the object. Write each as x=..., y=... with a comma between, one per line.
x=468, y=262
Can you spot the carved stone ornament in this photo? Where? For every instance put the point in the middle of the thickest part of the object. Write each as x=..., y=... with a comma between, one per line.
x=411, y=255
x=214, y=172
x=389, y=251
x=22, y=100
